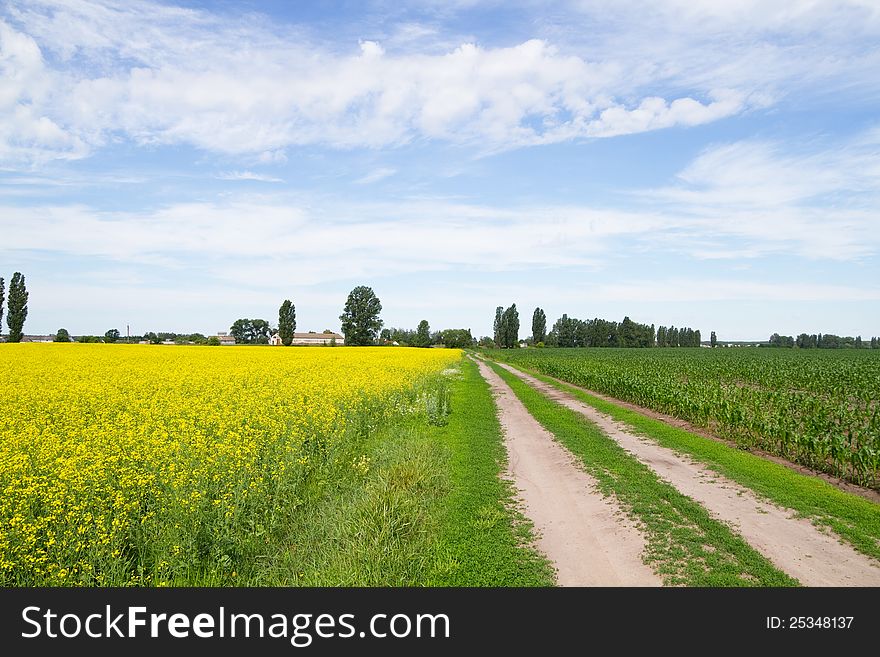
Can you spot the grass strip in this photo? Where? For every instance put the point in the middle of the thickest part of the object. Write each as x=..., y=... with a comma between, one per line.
x=418, y=503
x=853, y=518
x=685, y=545
x=485, y=540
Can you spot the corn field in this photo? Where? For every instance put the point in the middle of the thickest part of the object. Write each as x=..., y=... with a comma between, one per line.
x=820, y=408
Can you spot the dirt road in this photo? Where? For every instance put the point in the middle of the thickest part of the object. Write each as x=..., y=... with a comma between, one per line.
x=794, y=545
x=585, y=535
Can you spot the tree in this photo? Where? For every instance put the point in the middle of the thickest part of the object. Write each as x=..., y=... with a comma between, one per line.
x=509, y=330
x=2, y=299
x=112, y=335
x=213, y=341
x=499, y=311
x=539, y=326
x=250, y=331
x=17, y=307
x=286, y=322
x=360, y=316
x=626, y=332
x=62, y=336
x=457, y=338
x=152, y=338
x=713, y=340
x=423, y=335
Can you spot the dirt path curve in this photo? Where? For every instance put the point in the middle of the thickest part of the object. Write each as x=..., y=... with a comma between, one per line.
x=794, y=545
x=585, y=536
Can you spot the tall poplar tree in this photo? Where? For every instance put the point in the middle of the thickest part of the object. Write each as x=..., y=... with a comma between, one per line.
x=539, y=326
x=499, y=312
x=286, y=322
x=17, y=307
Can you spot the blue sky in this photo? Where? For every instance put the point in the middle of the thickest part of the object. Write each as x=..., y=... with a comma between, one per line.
x=701, y=163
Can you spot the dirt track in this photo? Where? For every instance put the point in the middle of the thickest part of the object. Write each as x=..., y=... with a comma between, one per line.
x=794, y=545
x=585, y=535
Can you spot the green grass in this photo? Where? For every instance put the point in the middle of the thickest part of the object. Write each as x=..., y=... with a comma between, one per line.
x=854, y=518
x=684, y=544
x=419, y=502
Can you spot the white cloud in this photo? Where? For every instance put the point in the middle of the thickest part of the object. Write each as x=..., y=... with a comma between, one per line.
x=756, y=198
x=162, y=75
x=247, y=175
x=376, y=175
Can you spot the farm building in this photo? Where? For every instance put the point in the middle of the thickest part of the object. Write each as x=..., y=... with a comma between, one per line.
x=310, y=338
x=225, y=338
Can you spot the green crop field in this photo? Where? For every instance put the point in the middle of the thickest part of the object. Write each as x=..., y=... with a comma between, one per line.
x=818, y=408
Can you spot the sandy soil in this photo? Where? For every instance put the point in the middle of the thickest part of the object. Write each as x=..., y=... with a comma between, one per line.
x=585, y=535
x=794, y=545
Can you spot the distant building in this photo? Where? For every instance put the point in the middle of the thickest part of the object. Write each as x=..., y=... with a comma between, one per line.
x=275, y=339
x=225, y=338
x=312, y=338
x=38, y=338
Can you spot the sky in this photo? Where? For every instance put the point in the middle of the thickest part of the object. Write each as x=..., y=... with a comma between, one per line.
x=702, y=163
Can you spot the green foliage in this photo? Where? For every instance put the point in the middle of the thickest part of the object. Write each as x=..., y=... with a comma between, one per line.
x=457, y=338
x=112, y=335
x=62, y=335
x=250, y=331
x=818, y=408
x=152, y=338
x=16, y=307
x=423, y=335
x=507, y=327
x=409, y=502
x=539, y=326
x=678, y=337
x=286, y=322
x=360, y=317
x=213, y=341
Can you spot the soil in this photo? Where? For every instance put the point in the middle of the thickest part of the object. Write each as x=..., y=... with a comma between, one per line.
x=792, y=544
x=585, y=535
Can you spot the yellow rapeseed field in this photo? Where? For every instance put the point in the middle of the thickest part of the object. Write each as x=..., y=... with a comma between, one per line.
x=151, y=465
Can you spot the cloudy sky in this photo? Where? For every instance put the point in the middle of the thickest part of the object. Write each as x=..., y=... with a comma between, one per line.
x=689, y=162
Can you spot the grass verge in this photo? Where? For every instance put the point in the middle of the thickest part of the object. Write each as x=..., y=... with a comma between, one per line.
x=684, y=544
x=853, y=518
x=418, y=503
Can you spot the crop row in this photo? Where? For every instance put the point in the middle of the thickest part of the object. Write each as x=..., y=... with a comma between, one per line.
x=820, y=409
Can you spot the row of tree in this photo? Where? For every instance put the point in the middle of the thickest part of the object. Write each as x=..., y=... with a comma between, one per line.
x=361, y=326
x=572, y=332
x=16, y=306
x=822, y=341
x=679, y=337
x=423, y=336
x=506, y=327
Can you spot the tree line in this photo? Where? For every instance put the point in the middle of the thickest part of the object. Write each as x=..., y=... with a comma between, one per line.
x=822, y=341
x=573, y=332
